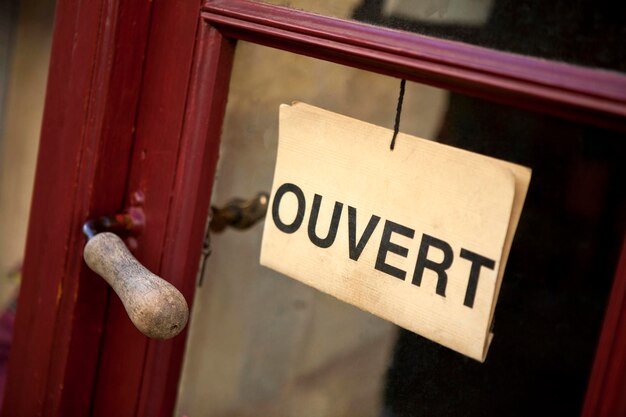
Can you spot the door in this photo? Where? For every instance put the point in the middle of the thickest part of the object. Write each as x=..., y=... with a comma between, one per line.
x=139, y=123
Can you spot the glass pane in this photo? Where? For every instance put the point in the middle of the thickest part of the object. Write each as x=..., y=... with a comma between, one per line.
x=25, y=39
x=588, y=33
x=263, y=344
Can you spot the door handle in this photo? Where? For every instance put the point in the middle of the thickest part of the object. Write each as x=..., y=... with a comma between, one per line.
x=155, y=306
x=239, y=213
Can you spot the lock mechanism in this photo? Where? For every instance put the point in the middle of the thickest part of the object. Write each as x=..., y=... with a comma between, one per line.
x=239, y=213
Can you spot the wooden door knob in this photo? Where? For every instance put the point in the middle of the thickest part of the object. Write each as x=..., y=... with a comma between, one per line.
x=154, y=305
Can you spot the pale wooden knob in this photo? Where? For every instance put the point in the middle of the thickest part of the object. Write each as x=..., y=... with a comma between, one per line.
x=154, y=305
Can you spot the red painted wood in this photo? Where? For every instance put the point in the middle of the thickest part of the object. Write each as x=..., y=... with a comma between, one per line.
x=87, y=129
x=581, y=94
x=189, y=208
x=606, y=393
x=170, y=166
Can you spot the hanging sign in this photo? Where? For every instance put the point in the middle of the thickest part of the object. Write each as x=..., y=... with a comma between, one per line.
x=419, y=235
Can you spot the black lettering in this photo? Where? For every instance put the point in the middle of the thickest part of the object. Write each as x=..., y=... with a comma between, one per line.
x=478, y=262
x=334, y=223
x=282, y=190
x=387, y=246
x=440, y=268
x=357, y=248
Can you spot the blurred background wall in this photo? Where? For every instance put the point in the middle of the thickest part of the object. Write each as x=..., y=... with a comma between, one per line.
x=25, y=39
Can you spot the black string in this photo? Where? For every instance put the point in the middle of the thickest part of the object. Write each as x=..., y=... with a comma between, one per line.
x=206, y=247
x=396, y=126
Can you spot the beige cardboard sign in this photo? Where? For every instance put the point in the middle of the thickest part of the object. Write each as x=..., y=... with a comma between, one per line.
x=418, y=235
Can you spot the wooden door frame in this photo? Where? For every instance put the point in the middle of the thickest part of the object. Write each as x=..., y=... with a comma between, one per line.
x=145, y=115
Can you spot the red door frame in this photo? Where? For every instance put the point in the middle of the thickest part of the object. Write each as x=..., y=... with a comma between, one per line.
x=145, y=115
